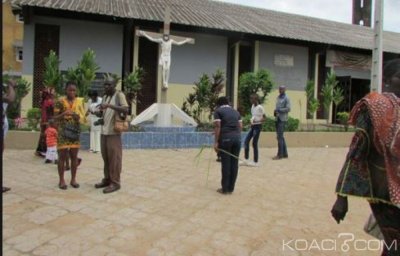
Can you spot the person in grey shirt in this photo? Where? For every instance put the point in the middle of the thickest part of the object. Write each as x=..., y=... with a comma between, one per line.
x=281, y=114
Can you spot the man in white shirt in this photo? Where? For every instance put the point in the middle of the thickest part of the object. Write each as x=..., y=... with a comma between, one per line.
x=257, y=118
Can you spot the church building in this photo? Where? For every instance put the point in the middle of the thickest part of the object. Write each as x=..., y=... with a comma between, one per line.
x=230, y=37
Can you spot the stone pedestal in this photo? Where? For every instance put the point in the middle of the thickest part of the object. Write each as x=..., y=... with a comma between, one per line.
x=162, y=115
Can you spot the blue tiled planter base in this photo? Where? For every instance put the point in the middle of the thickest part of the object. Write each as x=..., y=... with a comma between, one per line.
x=154, y=140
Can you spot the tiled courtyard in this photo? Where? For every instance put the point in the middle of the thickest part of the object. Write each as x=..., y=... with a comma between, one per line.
x=167, y=207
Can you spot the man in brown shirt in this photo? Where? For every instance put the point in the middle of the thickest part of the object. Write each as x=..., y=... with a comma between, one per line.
x=114, y=103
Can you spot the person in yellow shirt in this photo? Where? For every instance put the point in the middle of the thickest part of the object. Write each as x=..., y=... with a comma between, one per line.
x=70, y=113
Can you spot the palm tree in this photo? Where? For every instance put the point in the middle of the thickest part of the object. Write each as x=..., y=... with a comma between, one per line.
x=327, y=93
x=337, y=98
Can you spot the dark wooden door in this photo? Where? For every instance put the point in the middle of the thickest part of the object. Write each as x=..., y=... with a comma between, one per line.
x=246, y=58
x=148, y=60
x=246, y=64
x=230, y=73
x=47, y=38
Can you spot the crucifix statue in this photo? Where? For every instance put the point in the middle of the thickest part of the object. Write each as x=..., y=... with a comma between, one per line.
x=166, y=41
x=162, y=113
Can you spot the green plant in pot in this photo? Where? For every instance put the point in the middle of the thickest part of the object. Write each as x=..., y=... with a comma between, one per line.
x=312, y=102
x=327, y=93
x=52, y=77
x=84, y=73
x=337, y=97
x=133, y=85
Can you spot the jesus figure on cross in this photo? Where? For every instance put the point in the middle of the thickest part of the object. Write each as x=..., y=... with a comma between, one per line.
x=165, y=57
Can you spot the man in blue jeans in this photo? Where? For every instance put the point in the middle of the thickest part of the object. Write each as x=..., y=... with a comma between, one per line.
x=281, y=114
x=257, y=118
x=227, y=129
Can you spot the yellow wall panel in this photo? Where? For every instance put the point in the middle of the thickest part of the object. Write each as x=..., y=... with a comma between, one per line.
x=12, y=30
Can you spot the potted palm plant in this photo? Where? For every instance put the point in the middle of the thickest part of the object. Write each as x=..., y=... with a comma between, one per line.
x=133, y=85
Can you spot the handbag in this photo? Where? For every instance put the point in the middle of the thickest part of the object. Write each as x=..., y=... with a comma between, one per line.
x=371, y=227
x=71, y=132
x=120, y=123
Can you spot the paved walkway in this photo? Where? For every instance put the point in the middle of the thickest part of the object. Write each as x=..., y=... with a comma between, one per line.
x=166, y=207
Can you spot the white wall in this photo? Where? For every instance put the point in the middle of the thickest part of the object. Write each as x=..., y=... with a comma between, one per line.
x=294, y=77
x=190, y=61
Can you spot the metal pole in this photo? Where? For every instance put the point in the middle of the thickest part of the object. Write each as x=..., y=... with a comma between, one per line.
x=377, y=52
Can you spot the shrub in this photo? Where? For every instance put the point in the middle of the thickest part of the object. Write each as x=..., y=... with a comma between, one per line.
x=22, y=88
x=246, y=121
x=204, y=98
x=11, y=124
x=205, y=127
x=344, y=119
x=291, y=125
x=269, y=124
x=33, y=116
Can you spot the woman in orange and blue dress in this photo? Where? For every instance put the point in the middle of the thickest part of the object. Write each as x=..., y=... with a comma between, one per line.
x=69, y=113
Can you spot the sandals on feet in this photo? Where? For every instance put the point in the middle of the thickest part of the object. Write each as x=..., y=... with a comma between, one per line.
x=63, y=187
x=74, y=185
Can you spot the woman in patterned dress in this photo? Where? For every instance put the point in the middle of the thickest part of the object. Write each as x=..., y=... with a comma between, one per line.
x=372, y=166
x=69, y=113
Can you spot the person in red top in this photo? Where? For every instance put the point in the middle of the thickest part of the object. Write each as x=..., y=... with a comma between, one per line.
x=51, y=143
x=47, y=110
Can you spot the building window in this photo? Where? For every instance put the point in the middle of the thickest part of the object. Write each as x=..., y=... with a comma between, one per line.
x=20, y=54
x=19, y=18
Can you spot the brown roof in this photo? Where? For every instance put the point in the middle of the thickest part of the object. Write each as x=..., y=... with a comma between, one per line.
x=231, y=17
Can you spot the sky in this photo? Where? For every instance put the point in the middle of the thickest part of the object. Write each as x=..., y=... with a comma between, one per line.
x=337, y=10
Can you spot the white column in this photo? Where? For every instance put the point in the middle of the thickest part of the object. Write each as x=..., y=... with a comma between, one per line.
x=256, y=55
x=236, y=76
x=377, y=52
x=135, y=48
x=316, y=75
x=135, y=60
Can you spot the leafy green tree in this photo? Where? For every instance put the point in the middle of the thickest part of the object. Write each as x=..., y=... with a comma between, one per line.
x=259, y=82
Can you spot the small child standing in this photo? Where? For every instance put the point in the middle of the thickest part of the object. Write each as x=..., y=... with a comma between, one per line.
x=51, y=142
